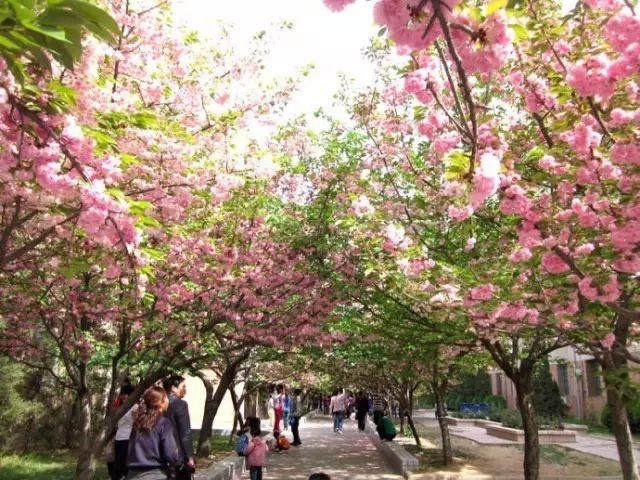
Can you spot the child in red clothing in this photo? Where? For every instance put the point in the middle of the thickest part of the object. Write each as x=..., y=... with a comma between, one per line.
x=256, y=453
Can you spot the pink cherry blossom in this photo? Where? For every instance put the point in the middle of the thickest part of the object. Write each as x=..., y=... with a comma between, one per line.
x=552, y=263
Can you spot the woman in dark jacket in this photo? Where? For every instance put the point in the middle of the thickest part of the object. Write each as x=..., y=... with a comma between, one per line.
x=153, y=452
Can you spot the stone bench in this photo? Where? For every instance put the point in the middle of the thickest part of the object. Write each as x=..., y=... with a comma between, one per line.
x=229, y=468
x=394, y=453
x=471, y=422
x=576, y=427
x=546, y=436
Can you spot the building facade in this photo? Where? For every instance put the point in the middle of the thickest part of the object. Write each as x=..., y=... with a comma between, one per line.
x=579, y=380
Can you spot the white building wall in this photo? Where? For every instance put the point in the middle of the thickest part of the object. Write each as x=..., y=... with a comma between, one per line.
x=195, y=397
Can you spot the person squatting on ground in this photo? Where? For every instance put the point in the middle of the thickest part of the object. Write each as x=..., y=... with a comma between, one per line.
x=256, y=453
x=178, y=414
x=296, y=414
x=118, y=467
x=337, y=408
x=153, y=453
x=386, y=429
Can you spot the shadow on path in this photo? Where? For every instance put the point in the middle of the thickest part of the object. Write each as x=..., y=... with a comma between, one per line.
x=350, y=456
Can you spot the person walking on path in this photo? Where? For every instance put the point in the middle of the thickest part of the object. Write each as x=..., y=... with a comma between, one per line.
x=276, y=406
x=152, y=451
x=378, y=407
x=296, y=413
x=337, y=408
x=178, y=414
x=286, y=409
x=118, y=468
x=256, y=453
x=362, y=409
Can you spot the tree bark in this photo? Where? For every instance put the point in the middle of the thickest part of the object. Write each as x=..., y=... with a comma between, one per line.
x=70, y=424
x=412, y=426
x=409, y=413
x=524, y=398
x=211, y=407
x=86, y=465
x=447, y=451
x=619, y=417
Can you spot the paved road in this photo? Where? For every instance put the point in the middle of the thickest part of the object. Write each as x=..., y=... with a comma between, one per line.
x=350, y=456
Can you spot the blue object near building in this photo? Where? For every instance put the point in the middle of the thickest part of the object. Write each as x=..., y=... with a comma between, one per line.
x=475, y=408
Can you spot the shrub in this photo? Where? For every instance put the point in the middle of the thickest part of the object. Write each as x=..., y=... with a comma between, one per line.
x=633, y=412
x=547, y=400
x=495, y=413
x=511, y=418
x=497, y=401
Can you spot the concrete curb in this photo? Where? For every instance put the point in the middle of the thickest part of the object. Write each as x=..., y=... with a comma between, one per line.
x=394, y=453
x=229, y=468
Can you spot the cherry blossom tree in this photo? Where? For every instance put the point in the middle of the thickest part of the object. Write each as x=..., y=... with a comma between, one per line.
x=532, y=128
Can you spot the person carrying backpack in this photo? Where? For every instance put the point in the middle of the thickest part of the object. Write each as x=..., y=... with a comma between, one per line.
x=244, y=435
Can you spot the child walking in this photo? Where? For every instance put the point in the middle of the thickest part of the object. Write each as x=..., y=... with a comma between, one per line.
x=256, y=453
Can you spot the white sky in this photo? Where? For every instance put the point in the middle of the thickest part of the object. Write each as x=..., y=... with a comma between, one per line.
x=333, y=42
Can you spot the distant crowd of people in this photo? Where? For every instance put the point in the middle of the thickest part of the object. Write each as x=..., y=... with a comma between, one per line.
x=342, y=404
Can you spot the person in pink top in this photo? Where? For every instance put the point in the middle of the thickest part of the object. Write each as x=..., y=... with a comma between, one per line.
x=256, y=453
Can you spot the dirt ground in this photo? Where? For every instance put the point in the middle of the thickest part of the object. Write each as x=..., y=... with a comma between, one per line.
x=506, y=460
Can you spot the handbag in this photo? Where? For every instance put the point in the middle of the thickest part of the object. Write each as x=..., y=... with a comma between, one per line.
x=109, y=452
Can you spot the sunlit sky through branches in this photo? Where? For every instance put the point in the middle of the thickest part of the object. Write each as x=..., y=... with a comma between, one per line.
x=332, y=42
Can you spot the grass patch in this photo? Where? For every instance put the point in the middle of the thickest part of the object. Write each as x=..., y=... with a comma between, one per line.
x=35, y=466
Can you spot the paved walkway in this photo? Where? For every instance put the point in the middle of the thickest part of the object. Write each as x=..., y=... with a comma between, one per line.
x=593, y=444
x=350, y=456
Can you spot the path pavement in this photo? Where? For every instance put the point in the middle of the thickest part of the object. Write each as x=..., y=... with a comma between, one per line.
x=592, y=444
x=350, y=456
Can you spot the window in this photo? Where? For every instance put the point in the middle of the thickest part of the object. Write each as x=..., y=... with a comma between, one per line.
x=563, y=379
x=594, y=381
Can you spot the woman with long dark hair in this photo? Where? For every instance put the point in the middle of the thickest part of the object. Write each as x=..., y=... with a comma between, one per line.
x=153, y=452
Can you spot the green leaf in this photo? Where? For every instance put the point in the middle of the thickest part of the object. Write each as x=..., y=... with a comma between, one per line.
x=56, y=34
x=7, y=43
x=520, y=31
x=75, y=266
x=456, y=165
x=92, y=15
x=494, y=6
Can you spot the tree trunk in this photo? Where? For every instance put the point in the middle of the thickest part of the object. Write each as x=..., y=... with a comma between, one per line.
x=416, y=437
x=237, y=403
x=86, y=464
x=447, y=451
x=620, y=424
x=524, y=394
x=70, y=424
x=211, y=407
x=238, y=421
x=409, y=413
